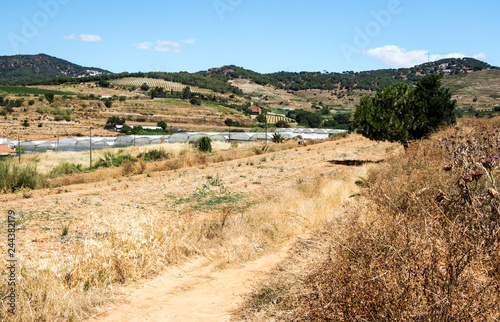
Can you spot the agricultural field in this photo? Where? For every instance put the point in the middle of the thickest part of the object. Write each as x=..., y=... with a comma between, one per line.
x=91, y=238
x=154, y=82
x=272, y=119
x=82, y=103
x=22, y=90
x=479, y=89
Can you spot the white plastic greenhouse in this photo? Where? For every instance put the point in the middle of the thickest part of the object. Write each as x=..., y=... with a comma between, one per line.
x=99, y=143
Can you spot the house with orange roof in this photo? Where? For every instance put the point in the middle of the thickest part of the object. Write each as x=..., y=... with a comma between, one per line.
x=6, y=151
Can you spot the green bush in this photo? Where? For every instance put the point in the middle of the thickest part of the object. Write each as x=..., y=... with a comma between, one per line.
x=14, y=177
x=65, y=168
x=113, y=160
x=195, y=101
x=204, y=144
x=154, y=155
x=282, y=124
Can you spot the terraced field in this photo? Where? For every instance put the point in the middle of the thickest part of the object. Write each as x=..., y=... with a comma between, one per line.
x=154, y=82
x=274, y=118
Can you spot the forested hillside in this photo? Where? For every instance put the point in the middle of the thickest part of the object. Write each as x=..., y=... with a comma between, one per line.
x=367, y=80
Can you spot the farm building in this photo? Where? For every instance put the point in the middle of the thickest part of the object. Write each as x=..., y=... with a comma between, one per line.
x=256, y=110
x=5, y=151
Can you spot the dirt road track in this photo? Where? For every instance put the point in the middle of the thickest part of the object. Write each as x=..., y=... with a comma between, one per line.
x=193, y=292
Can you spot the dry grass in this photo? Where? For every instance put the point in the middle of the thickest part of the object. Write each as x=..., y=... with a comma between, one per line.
x=422, y=243
x=47, y=161
x=130, y=246
x=125, y=242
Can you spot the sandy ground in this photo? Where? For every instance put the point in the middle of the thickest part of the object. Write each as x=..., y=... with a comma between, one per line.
x=193, y=292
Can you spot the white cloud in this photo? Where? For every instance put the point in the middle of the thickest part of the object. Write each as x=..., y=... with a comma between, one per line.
x=480, y=56
x=91, y=38
x=83, y=37
x=394, y=56
x=188, y=41
x=168, y=46
x=165, y=45
x=144, y=45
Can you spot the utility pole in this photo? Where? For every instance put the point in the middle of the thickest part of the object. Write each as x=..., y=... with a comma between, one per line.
x=19, y=147
x=90, y=146
x=265, y=114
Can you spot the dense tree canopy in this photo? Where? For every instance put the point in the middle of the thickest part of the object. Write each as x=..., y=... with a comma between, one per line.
x=402, y=113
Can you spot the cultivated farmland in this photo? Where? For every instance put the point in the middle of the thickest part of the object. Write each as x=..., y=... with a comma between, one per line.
x=274, y=118
x=154, y=82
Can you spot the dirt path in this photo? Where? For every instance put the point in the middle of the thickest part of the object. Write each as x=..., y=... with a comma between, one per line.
x=196, y=289
x=193, y=292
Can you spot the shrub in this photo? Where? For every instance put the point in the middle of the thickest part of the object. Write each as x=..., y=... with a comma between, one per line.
x=282, y=124
x=195, y=101
x=108, y=103
x=162, y=124
x=421, y=244
x=204, y=144
x=113, y=160
x=228, y=122
x=128, y=168
x=65, y=168
x=154, y=155
x=277, y=138
x=14, y=177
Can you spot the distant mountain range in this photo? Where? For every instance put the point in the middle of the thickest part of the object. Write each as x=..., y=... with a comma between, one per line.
x=366, y=80
x=20, y=69
x=44, y=69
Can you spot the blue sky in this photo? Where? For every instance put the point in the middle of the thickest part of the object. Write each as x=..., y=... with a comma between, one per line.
x=265, y=36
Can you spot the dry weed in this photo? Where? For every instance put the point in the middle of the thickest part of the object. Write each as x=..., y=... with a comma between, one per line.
x=423, y=243
x=125, y=246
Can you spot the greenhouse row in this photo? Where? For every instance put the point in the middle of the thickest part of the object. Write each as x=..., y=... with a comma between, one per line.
x=99, y=143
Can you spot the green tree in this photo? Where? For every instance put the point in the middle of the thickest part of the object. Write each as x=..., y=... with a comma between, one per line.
x=325, y=110
x=282, y=124
x=49, y=97
x=228, y=122
x=103, y=83
x=108, y=103
x=261, y=118
x=162, y=124
x=145, y=87
x=114, y=120
x=401, y=113
x=186, y=93
x=205, y=144
x=195, y=101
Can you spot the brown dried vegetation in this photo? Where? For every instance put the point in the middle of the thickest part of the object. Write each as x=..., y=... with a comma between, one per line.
x=421, y=243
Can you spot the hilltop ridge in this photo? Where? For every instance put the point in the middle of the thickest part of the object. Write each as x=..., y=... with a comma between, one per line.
x=21, y=69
